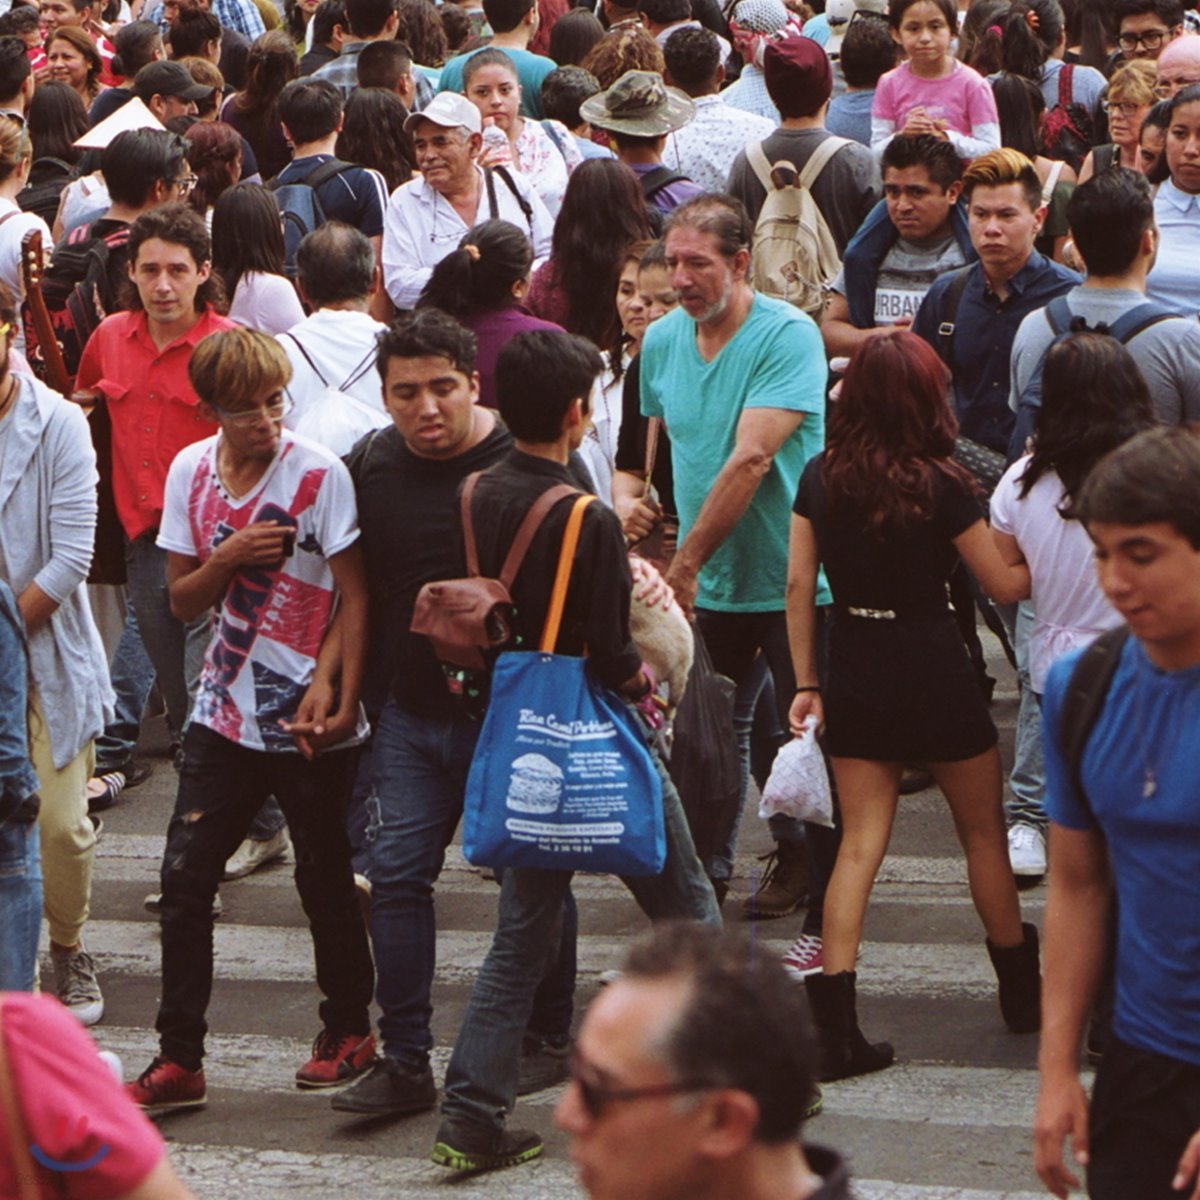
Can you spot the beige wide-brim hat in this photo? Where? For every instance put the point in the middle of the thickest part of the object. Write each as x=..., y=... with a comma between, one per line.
x=639, y=103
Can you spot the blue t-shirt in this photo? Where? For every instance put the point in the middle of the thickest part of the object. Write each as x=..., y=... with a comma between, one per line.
x=849, y=115
x=531, y=70
x=775, y=360
x=1148, y=721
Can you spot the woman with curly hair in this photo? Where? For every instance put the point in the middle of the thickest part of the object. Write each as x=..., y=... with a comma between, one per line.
x=629, y=48
x=373, y=135
x=254, y=113
x=887, y=512
x=215, y=157
x=422, y=29
x=602, y=215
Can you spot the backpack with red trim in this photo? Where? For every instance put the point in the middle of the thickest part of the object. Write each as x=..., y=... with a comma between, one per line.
x=1068, y=131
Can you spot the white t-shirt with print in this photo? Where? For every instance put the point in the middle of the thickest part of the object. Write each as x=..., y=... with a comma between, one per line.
x=270, y=622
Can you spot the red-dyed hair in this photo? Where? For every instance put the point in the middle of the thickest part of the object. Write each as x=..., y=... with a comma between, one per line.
x=890, y=432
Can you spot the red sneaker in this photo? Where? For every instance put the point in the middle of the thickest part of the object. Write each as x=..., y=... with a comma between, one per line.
x=336, y=1059
x=165, y=1085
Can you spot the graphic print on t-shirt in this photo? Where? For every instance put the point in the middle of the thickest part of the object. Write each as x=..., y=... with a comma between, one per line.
x=907, y=272
x=271, y=622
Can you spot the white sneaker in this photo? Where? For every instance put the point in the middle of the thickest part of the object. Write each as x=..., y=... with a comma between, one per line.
x=251, y=855
x=1027, y=850
x=76, y=985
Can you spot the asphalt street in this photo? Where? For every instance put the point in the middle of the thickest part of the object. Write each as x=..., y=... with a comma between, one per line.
x=950, y=1121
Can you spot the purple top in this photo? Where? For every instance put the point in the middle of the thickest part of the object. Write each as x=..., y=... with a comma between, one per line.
x=668, y=198
x=492, y=329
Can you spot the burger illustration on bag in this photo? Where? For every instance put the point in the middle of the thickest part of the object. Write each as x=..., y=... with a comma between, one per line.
x=536, y=785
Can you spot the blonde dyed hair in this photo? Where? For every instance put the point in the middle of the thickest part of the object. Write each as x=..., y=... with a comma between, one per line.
x=999, y=167
x=233, y=368
x=15, y=146
x=1133, y=82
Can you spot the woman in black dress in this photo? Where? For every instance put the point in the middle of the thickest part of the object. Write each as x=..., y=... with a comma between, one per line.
x=887, y=513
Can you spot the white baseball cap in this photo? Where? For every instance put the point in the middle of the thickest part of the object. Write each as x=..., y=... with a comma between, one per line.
x=838, y=14
x=450, y=110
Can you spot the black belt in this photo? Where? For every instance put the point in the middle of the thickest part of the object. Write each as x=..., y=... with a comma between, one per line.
x=930, y=611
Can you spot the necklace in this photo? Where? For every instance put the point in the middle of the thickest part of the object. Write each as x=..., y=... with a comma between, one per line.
x=1149, y=773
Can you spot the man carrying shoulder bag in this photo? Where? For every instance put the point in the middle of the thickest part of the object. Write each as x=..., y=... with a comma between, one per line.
x=544, y=379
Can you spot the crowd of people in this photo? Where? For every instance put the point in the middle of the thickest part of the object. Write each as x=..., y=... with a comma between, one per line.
x=865, y=327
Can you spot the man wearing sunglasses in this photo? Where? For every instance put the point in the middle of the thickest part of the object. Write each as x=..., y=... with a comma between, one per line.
x=691, y=1077
x=260, y=531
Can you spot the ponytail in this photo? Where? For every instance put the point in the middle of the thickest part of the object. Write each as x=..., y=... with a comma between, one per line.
x=479, y=275
x=1031, y=31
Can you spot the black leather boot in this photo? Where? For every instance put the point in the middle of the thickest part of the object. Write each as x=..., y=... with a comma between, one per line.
x=844, y=1049
x=1020, y=982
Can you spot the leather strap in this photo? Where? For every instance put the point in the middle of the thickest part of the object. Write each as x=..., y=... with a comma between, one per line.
x=562, y=578
x=22, y=1163
x=530, y=523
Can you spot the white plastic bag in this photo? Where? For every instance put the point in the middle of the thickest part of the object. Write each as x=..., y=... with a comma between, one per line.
x=799, y=784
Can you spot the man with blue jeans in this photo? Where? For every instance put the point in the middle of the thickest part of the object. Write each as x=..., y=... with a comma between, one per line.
x=407, y=479
x=544, y=381
x=739, y=380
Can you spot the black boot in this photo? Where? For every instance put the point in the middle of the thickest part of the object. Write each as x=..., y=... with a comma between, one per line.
x=1020, y=982
x=844, y=1049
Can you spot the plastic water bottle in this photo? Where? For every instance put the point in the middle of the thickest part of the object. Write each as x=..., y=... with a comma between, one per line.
x=496, y=140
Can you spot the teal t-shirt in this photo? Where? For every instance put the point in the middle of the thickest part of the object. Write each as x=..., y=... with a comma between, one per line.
x=775, y=360
x=531, y=70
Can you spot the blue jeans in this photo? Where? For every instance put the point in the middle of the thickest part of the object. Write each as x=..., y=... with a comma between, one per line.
x=1025, y=802
x=421, y=766
x=20, y=904
x=481, y=1081
x=132, y=675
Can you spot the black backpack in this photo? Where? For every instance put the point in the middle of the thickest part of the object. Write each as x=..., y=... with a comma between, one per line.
x=652, y=183
x=47, y=178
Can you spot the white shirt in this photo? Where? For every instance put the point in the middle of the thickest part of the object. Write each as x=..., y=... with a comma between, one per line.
x=421, y=227
x=1175, y=281
x=12, y=234
x=265, y=302
x=340, y=349
x=750, y=94
x=599, y=446
x=704, y=149
x=1069, y=607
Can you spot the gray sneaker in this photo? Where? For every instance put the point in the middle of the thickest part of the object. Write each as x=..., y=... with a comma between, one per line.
x=75, y=984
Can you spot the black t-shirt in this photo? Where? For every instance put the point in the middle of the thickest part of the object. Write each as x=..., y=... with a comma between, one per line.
x=596, y=612
x=903, y=566
x=631, y=440
x=408, y=514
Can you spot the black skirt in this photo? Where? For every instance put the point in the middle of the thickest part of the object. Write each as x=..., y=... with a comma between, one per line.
x=903, y=691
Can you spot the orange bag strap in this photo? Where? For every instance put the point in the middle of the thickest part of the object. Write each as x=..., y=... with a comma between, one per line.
x=562, y=578
x=22, y=1163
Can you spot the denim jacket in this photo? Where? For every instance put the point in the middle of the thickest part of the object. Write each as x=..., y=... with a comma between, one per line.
x=18, y=783
x=866, y=250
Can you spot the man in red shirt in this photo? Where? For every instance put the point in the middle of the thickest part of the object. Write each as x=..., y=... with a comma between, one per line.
x=138, y=361
x=56, y=13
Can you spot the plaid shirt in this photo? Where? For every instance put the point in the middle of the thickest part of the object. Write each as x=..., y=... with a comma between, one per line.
x=239, y=15
x=342, y=72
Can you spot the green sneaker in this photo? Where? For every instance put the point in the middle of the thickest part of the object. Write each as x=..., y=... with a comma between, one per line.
x=464, y=1147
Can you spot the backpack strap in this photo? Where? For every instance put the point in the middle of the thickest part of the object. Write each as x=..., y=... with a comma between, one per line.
x=1066, y=92
x=321, y=173
x=1052, y=181
x=819, y=159
x=1084, y=700
x=945, y=331
x=1058, y=315
x=510, y=183
x=493, y=205
x=307, y=357
x=16, y=212
x=756, y=156
x=562, y=577
x=654, y=181
x=1137, y=320
x=554, y=136
x=653, y=429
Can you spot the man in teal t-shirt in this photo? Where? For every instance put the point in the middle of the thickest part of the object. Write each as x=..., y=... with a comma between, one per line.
x=514, y=23
x=739, y=380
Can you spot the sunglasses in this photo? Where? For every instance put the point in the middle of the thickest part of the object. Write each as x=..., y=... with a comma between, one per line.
x=596, y=1097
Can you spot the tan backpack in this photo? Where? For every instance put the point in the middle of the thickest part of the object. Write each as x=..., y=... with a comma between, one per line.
x=795, y=257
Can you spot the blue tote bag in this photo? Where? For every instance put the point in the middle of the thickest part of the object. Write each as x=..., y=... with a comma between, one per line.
x=561, y=778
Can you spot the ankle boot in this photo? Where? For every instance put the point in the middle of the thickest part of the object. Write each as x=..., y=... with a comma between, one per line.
x=844, y=1049
x=1020, y=982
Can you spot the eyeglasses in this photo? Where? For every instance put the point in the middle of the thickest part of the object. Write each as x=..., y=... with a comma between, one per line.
x=1152, y=39
x=185, y=183
x=276, y=410
x=1168, y=88
x=596, y=1097
x=5, y=328
x=1125, y=108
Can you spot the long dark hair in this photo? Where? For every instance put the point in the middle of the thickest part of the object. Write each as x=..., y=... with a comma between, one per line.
x=891, y=433
x=212, y=147
x=1020, y=105
x=373, y=135
x=479, y=275
x=1090, y=26
x=1026, y=49
x=56, y=117
x=602, y=214
x=270, y=66
x=1094, y=398
x=980, y=40
x=247, y=234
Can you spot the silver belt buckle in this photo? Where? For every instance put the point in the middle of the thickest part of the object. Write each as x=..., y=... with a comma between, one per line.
x=873, y=614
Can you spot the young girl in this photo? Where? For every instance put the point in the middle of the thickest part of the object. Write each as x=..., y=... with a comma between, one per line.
x=932, y=92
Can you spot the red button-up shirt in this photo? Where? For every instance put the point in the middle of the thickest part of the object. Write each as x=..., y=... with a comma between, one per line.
x=152, y=406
